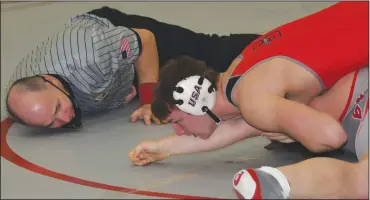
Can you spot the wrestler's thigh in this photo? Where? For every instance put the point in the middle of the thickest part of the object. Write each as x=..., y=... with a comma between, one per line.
x=362, y=138
x=335, y=99
x=361, y=171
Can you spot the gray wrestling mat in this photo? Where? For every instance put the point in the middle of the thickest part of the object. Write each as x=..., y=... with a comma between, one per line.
x=93, y=162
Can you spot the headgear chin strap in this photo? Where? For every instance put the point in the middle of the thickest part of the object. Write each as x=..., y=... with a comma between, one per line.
x=196, y=95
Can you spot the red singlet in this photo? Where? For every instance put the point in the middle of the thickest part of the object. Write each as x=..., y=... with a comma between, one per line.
x=330, y=43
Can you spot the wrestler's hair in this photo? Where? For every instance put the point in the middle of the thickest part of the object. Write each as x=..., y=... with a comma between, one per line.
x=27, y=84
x=174, y=71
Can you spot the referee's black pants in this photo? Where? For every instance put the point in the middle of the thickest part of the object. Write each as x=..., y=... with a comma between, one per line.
x=172, y=40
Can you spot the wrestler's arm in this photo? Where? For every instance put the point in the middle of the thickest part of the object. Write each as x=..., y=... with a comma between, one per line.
x=147, y=65
x=147, y=69
x=227, y=133
x=317, y=131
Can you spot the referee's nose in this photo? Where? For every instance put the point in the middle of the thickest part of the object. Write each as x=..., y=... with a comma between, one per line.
x=66, y=115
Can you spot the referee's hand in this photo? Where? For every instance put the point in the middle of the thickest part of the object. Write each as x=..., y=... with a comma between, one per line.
x=145, y=113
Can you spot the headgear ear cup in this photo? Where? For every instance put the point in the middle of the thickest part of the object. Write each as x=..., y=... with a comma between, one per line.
x=195, y=95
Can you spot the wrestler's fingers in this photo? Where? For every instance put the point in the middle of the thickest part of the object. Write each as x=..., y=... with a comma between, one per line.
x=287, y=141
x=278, y=138
x=142, y=156
x=131, y=154
x=273, y=134
x=156, y=120
x=150, y=156
x=136, y=116
x=141, y=159
x=135, y=160
x=140, y=162
x=147, y=119
x=282, y=139
x=144, y=161
x=136, y=154
x=165, y=121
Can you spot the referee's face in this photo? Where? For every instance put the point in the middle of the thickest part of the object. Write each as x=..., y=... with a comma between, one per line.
x=58, y=108
x=49, y=108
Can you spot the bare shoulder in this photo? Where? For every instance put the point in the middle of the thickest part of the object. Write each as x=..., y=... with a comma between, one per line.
x=232, y=66
x=266, y=78
x=278, y=77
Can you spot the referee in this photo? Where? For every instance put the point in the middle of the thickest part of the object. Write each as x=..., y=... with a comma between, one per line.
x=101, y=60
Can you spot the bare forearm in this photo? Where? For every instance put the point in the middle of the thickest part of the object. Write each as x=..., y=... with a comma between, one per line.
x=229, y=132
x=183, y=145
x=147, y=66
x=319, y=132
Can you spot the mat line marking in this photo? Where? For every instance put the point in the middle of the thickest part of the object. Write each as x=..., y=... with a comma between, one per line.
x=171, y=179
x=8, y=154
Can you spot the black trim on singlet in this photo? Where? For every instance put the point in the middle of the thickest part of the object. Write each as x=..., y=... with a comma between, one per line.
x=230, y=86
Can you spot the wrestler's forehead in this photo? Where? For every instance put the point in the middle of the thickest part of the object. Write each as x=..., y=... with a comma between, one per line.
x=178, y=115
x=174, y=115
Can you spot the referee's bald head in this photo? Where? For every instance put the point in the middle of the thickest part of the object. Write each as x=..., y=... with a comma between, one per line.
x=36, y=102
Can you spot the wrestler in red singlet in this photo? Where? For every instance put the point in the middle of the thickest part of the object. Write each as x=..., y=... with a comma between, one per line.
x=330, y=43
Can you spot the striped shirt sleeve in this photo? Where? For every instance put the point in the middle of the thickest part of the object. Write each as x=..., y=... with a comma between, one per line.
x=95, y=57
x=116, y=43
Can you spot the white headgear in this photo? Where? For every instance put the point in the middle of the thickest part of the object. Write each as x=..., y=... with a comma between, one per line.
x=195, y=95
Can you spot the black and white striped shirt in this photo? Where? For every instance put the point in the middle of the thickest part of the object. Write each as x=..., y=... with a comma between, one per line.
x=95, y=57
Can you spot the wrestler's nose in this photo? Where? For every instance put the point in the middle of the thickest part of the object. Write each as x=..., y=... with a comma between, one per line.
x=178, y=129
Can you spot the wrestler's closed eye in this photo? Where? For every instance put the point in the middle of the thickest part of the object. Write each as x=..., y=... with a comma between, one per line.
x=171, y=121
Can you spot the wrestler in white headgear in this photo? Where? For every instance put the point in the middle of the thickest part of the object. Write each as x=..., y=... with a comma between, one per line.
x=196, y=95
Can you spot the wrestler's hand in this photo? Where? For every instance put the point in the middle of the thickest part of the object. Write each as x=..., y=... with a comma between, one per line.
x=147, y=152
x=144, y=112
x=283, y=138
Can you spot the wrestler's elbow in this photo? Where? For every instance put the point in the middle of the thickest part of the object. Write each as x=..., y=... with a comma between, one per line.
x=331, y=138
x=334, y=136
